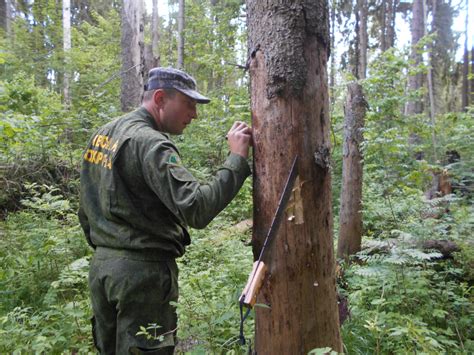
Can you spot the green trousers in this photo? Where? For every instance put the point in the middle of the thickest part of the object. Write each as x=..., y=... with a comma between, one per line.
x=130, y=290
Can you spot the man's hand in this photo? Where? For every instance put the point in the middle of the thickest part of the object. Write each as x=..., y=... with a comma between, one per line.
x=239, y=138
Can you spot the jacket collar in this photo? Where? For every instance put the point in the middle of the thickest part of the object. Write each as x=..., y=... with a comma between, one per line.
x=143, y=113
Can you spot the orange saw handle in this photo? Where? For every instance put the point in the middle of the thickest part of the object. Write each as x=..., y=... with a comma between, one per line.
x=254, y=283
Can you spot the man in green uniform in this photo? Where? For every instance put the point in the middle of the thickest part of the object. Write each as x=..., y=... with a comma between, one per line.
x=137, y=201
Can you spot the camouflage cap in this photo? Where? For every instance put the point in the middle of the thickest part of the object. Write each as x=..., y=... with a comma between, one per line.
x=171, y=78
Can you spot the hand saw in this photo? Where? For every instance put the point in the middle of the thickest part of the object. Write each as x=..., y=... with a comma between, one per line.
x=254, y=283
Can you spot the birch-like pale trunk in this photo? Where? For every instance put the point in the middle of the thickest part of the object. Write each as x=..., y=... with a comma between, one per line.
x=67, y=50
x=465, y=71
x=181, y=25
x=155, y=34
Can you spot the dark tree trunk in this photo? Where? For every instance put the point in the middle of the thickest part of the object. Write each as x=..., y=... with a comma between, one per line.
x=472, y=75
x=289, y=43
x=390, y=23
x=132, y=54
x=442, y=54
x=3, y=15
x=383, y=25
x=350, y=216
x=415, y=82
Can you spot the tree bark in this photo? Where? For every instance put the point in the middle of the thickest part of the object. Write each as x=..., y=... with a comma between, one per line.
x=132, y=54
x=332, y=73
x=465, y=71
x=363, y=37
x=350, y=216
x=390, y=23
x=152, y=52
x=289, y=47
x=429, y=81
x=67, y=49
x=383, y=25
x=5, y=16
x=415, y=82
x=181, y=25
x=155, y=35
x=472, y=75
x=442, y=56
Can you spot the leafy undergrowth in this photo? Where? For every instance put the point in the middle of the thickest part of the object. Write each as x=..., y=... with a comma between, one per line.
x=45, y=304
x=404, y=299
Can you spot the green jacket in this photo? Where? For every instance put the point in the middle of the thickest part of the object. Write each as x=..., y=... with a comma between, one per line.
x=136, y=194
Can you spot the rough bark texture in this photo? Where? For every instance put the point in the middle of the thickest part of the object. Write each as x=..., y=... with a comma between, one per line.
x=350, y=217
x=180, y=63
x=289, y=47
x=415, y=82
x=132, y=54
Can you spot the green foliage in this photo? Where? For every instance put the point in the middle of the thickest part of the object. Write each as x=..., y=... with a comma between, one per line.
x=44, y=306
x=212, y=276
x=403, y=299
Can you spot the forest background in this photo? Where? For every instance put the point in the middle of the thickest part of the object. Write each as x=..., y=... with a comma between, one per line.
x=407, y=292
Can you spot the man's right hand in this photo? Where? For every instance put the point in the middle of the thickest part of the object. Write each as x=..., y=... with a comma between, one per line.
x=239, y=138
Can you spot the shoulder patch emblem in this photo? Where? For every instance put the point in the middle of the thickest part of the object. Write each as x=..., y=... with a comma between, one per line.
x=174, y=159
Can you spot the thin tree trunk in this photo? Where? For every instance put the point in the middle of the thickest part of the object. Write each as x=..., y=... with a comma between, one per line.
x=152, y=56
x=415, y=82
x=465, y=72
x=390, y=24
x=332, y=74
x=181, y=25
x=155, y=34
x=350, y=216
x=429, y=77
x=363, y=38
x=289, y=43
x=132, y=54
x=472, y=75
x=67, y=49
x=6, y=14
x=3, y=15
x=442, y=56
x=383, y=26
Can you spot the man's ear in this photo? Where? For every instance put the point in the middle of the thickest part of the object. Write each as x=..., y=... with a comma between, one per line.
x=159, y=97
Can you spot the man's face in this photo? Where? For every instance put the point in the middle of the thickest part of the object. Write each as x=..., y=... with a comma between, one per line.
x=178, y=111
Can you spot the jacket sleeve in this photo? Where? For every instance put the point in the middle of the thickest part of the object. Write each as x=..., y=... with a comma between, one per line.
x=193, y=203
x=84, y=221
